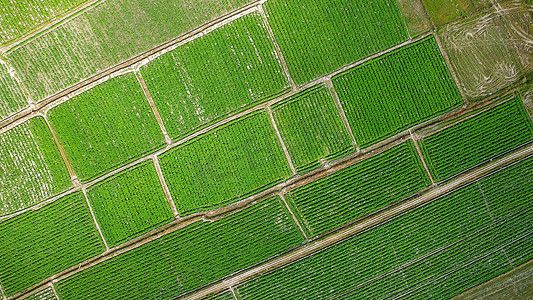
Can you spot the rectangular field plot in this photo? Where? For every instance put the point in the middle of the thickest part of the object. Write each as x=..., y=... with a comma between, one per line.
x=228, y=163
x=106, y=127
x=475, y=140
x=319, y=37
x=358, y=190
x=435, y=251
x=395, y=91
x=39, y=244
x=31, y=167
x=311, y=128
x=189, y=257
x=129, y=204
x=11, y=97
x=215, y=75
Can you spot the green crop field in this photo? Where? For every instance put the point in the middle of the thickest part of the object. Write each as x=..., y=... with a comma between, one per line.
x=311, y=128
x=12, y=98
x=475, y=140
x=31, y=168
x=38, y=244
x=226, y=164
x=182, y=261
x=273, y=149
x=436, y=251
x=395, y=91
x=358, y=190
x=215, y=75
x=129, y=204
x=313, y=38
x=106, y=127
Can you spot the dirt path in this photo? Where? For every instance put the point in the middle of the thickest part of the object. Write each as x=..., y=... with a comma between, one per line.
x=340, y=110
x=366, y=223
x=415, y=142
x=280, y=139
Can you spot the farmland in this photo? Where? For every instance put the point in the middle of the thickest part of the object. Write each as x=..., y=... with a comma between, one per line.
x=314, y=47
x=32, y=168
x=106, y=127
x=415, y=74
x=226, y=164
x=151, y=270
x=360, y=189
x=215, y=75
x=129, y=204
x=398, y=257
x=272, y=149
x=38, y=244
x=311, y=128
x=475, y=140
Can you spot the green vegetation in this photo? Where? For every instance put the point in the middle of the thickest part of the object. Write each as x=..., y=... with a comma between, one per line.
x=46, y=294
x=228, y=163
x=20, y=17
x=189, y=257
x=106, y=127
x=39, y=244
x=129, y=204
x=31, y=168
x=311, y=128
x=436, y=251
x=215, y=75
x=397, y=90
x=12, y=98
x=475, y=140
x=442, y=12
x=222, y=296
x=106, y=35
x=359, y=190
x=314, y=36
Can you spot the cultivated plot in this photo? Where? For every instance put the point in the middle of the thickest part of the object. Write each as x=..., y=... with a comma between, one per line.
x=129, y=204
x=436, y=251
x=39, y=244
x=397, y=90
x=476, y=140
x=224, y=165
x=11, y=97
x=311, y=128
x=215, y=75
x=31, y=167
x=106, y=127
x=318, y=37
x=189, y=257
x=358, y=190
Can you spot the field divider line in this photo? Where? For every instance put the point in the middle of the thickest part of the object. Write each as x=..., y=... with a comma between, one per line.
x=165, y=187
x=340, y=110
x=285, y=151
x=94, y=218
x=415, y=142
x=70, y=169
x=293, y=216
x=451, y=68
x=234, y=293
x=54, y=290
x=357, y=227
x=2, y=292
x=276, y=46
x=150, y=100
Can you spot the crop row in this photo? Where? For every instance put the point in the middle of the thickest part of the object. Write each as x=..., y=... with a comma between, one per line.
x=395, y=91
x=189, y=257
x=475, y=140
x=360, y=189
x=436, y=251
x=39, y=244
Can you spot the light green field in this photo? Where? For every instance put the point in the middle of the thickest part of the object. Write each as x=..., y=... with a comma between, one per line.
x=31, y=167
x=39, y=244
x=319, y=37
x=215, y=75
x=129, y=204
x=11, y=97
x=311, y=128
x=224, y=165
x=182, y=261
x=106, y=127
